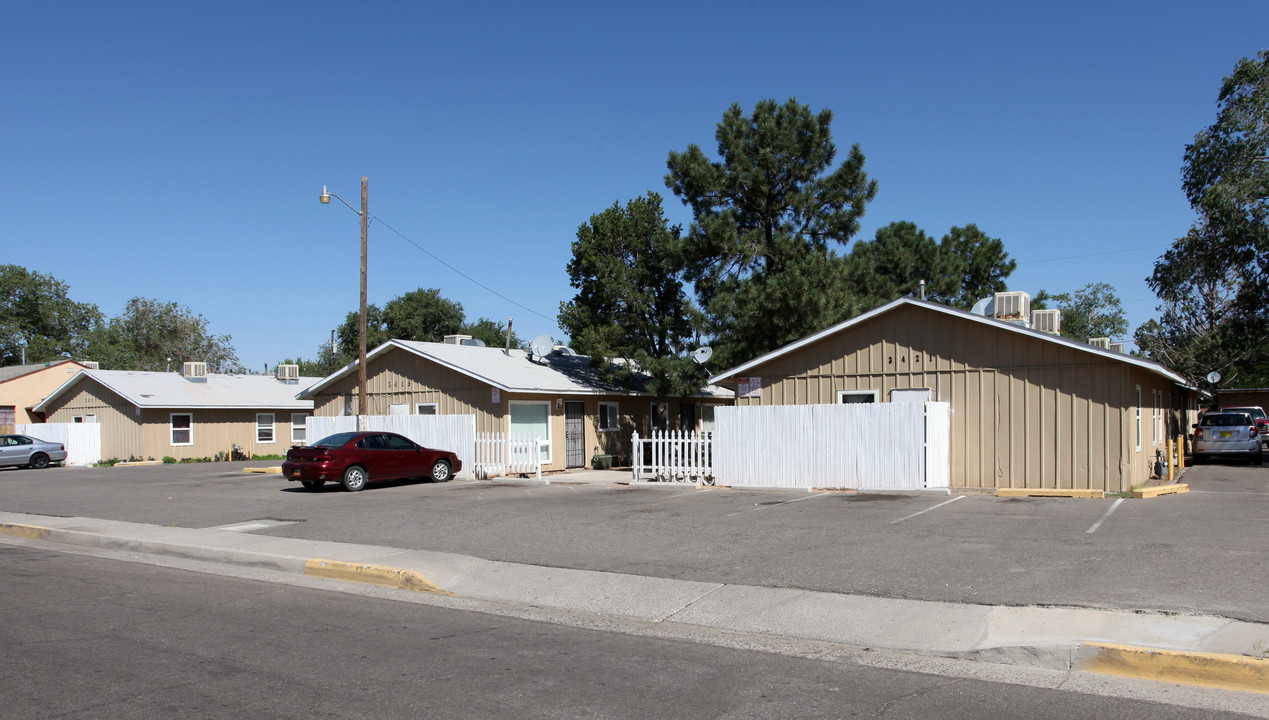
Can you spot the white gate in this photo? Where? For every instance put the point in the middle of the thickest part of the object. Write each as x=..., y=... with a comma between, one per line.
x=455, y=433
x=82, y=440
x=500, y=453
x=896, y=446
x=674, y=456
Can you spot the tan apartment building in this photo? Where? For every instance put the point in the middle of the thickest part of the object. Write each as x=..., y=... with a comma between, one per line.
x=558, y=397
x=1029, y=409
x=191, y=414
x=22, y=387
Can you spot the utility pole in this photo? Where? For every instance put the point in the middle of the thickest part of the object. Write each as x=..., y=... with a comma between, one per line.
x=361, y=329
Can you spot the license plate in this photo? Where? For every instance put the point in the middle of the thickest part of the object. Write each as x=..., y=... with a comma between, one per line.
x=1226, y=435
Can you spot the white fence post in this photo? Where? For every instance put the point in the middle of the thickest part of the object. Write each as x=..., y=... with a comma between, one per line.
x=673, y=456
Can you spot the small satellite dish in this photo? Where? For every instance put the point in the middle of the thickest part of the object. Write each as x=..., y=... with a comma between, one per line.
x=474, y=342
x=563, y=350
x=703, y=354
x=542, y=345
x=1213, y=377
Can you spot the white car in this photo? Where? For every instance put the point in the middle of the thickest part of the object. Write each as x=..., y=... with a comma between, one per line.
x=26, y=451
x=1228, y=434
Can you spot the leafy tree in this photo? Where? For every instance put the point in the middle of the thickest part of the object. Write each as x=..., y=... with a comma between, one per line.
x=153, y=335
x=491, y=333
x=631, y=302
x=766, y=217
x=422, y=315
x=36, y=310
x=983, y=265
x=1092, y=311
x=348, y=333
x=1226, y=177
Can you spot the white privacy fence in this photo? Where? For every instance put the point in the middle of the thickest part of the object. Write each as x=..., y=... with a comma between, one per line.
x=500, y=453
x=674, y=456
x=82, y=440
x=455, y=433
x=898, y=446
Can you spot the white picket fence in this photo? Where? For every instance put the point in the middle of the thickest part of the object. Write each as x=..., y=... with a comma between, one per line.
x=455, y=433
x=867, y=446
x=674, y=456
x=82, y=440
x=500, y=453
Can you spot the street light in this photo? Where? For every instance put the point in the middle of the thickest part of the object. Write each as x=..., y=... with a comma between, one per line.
x=361, y=324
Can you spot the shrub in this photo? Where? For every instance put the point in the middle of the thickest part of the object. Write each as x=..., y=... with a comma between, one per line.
x=168, y=459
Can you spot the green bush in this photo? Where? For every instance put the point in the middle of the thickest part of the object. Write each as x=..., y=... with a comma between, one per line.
x=110, y=462
x=168, y=459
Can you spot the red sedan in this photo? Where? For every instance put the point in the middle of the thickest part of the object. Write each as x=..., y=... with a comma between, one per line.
x=355, y=458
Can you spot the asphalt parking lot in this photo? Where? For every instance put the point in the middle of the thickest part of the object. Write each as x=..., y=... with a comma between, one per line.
x=1202, y=552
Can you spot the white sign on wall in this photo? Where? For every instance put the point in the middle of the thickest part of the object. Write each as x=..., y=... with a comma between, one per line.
x=749, y=387
x=496, y=397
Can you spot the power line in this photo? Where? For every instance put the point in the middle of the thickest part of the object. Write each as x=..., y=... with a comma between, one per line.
x=1076, y=257
x=460, y=272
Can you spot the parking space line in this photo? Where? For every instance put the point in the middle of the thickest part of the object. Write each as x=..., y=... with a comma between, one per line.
x=936, y=507
x=783, y=502
x=1108, y=512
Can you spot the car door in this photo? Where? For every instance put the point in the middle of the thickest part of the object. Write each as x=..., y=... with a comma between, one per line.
x=373, y=453
x=407, y=457
x=8, y=449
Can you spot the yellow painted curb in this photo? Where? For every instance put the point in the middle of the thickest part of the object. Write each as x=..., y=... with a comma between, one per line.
x=275, y=470
x=30, y=532
x=1230, y=672
x=1049, y=492
x=373, y=574
x=1149, y=492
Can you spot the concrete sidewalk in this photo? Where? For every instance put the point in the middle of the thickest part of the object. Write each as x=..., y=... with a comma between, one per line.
x=1194, y=649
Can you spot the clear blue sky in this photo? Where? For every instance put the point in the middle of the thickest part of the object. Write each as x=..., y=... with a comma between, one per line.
x=176, y=150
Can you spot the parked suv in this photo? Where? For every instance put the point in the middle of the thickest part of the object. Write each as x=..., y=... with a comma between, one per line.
x=1227, y=433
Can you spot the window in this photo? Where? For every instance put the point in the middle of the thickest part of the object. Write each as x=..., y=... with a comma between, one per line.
x=264, y=428
x=856, y=396
x=609, y=417
x=533, y=418
x=84, y=418
x=182, y=429
x=425, y=409
x=8, y=414
x=1138, y=409
x=299, y=429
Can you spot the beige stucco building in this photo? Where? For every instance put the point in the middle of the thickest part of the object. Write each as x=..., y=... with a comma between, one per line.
x=559, y=398
x=1029, y=409
x=191, y=414
x=22, y=387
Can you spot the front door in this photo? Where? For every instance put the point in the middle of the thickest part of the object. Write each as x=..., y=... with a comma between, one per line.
x=574, y=434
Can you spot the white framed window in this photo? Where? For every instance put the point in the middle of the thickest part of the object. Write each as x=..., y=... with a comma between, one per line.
x=609, y=417
x=528, y=417
x=181, y=429
x=425, y=409
x=264, y=428
x=84, y=418
x=1138, y=410
x=299, y=428
x=856, y=396
x=916, y=395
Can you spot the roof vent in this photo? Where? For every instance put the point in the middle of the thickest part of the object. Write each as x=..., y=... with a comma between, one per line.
x=1115, y=347
x=1103, y=343
x=1014, y=305
x=1047, y=321
x=288, y=373
x=194, y=371
x=90, y=364
x=456, y=339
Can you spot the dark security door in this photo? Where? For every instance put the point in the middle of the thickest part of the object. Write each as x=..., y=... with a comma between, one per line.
x=574, y=434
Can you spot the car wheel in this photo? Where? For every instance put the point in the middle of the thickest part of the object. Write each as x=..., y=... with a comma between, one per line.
x=354, y=478
x=39, y=461
x=312, y=484
x=440, y=471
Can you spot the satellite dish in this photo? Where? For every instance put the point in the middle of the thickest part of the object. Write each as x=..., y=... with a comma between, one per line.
x=1213, y=377
x=703, y=354
x=542, y=345
x=474, y=342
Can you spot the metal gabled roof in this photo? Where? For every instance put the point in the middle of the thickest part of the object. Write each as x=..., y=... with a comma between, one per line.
x=935, y=307
x=13, y=372
x=509, y=371
x=159, y=390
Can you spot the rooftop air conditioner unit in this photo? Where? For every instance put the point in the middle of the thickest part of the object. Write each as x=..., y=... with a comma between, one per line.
x=1103, y=343
x=456, y=339
x=194, y=370
x=1047, y=321
x=287, y=373
x=1116, y=347
x=1014, y=305
x=90, y=364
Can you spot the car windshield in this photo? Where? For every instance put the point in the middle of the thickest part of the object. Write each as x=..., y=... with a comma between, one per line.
x=336, y=440
x=1226, y=420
